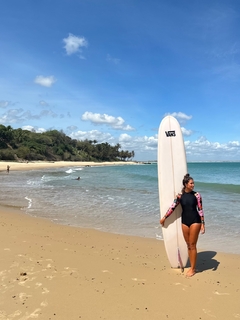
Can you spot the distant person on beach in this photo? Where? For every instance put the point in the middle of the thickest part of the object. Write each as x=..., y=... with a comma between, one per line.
x=192, y=218
x=8, y=168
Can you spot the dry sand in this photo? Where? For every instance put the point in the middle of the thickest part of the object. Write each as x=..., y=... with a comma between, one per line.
x=49, y=271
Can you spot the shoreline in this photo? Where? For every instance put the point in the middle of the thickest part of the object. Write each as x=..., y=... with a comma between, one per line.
x=36, y=165
x=53, y=271
x=209, y=241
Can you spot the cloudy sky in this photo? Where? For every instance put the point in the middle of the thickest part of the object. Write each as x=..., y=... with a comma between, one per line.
x=110, y=70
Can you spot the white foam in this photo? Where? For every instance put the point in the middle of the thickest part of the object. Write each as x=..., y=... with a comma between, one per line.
x=29, y=202
x=159, y=237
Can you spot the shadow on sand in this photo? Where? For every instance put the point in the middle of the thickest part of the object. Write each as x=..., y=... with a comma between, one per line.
x=205, y=261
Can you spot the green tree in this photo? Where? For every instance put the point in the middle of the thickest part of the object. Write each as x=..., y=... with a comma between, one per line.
x=55, y=145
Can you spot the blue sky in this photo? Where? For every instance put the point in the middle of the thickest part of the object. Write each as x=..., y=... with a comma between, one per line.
x=110, y=70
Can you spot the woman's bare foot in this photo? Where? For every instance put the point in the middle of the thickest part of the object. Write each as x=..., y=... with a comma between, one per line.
x=191, y=272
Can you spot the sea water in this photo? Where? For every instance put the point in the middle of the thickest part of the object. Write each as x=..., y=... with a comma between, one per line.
x=124, y=199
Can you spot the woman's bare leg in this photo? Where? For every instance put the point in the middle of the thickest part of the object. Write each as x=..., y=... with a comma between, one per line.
x=191, y=236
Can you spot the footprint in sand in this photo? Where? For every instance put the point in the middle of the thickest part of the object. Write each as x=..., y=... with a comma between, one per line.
x=15, y=314
x=38, y=284
x=44, y=304
x=208, y=312
x=3, y=274
x=23, y=296
x=23, y=284
x=106, y=271
x=180, y=284
x=136, y=279
x=33, y=315
x=221, y=294
x=49, y=277
x=14, y=265
x=45, y=290
x=70, y=272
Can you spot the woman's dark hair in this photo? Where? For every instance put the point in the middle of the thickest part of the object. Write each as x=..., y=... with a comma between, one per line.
x=185, y=181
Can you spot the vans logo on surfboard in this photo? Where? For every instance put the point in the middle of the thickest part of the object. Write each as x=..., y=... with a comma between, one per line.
x=170, y=133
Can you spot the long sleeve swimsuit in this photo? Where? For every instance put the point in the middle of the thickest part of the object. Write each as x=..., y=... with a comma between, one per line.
x=192, y=210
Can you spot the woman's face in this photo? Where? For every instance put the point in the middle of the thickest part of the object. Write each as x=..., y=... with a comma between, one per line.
x=190, y=185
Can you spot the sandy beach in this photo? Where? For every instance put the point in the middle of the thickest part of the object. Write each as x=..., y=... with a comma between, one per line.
x=57, y=164
x=51, y=271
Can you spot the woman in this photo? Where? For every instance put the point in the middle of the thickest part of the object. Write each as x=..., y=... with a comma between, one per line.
x=192, y=219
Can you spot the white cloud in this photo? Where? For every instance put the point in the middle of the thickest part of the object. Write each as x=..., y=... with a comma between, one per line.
x=138, y=144
x=34, y=129
x=124, y=137
x=11, y=116
x=142, y=143
x=74, y=44
x=40, y=130
x=113, y=122
x=145, y=147
x=71, y=128
x=29, y=128
x=113, y=60
x=19, y=116
x=186, y=132
x=126, y=128
x=234, y=143
x=92, y=135
x=45, y=81
x=202, y=149
x=180, y=116
x=43, y=103
x=148, y=143
x=4, y=104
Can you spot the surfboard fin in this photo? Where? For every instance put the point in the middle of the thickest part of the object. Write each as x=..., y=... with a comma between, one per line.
x=180, y=261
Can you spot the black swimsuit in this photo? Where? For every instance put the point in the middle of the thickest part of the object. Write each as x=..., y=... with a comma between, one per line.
x=192, y=210
x=190, y=214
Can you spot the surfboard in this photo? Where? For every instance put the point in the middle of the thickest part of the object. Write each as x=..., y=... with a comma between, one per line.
x=172, y=166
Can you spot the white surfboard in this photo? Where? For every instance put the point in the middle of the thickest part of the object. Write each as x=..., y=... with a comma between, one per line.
x=172, y=166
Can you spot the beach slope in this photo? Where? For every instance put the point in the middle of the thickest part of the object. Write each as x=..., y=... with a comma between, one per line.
x=50, y=271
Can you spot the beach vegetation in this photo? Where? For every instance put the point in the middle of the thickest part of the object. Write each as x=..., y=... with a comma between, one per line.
x=54, y=145
x=7, y=154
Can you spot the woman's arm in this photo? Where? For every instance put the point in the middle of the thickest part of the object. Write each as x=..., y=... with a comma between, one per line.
x=199, y=204
x=173, y=206
x=200, y=211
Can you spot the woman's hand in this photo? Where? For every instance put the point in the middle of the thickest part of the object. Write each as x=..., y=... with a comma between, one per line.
x=162, y=221
x=202, y=230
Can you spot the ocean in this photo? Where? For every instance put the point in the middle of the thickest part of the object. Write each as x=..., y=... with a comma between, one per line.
x=124, y=199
